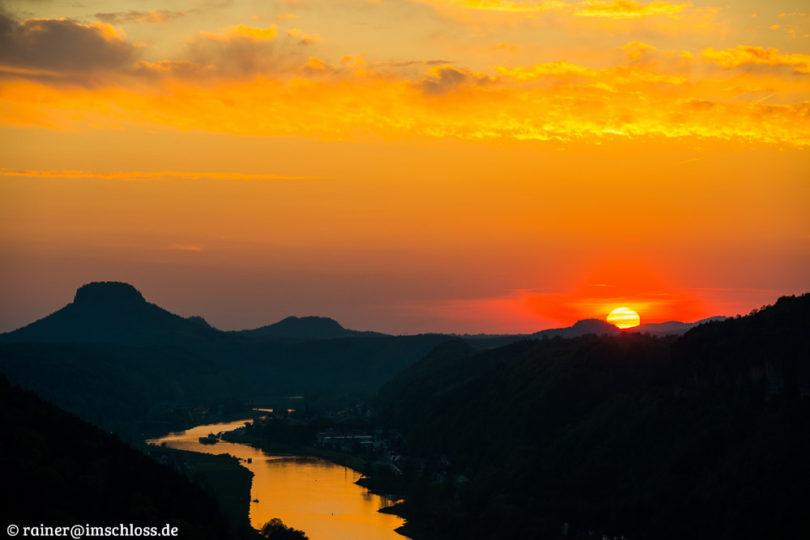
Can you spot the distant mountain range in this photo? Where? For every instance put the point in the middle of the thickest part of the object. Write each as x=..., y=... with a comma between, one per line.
x=115, y=312
x=591, y=327
x=600, y=327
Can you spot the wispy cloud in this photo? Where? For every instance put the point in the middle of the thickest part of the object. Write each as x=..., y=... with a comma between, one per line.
x=242, y=31
x=745, y=55
x=509, y=6
x=150, y=175
x=246, y=51
x=628, y=9
x=306, y=39
x=446, y=79
x=154, y=16
x=604, y=16
x=608, y=9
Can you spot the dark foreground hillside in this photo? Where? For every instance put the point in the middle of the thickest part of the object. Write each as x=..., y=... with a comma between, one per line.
x=702, y=436
x=60, y=471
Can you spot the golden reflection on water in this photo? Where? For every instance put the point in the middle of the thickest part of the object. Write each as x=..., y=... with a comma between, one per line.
x=311, y=494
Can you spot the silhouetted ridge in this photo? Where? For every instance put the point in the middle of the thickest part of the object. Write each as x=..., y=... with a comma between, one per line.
x=309, y=324
x=580, y=328
x=199, y=320
x=108, y=294
x=671, y=327
x=113, y=312
x=594, y=326
x=308, y=328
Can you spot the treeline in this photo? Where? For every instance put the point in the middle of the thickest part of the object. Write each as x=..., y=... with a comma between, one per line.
x=703, y=436
x=129, y=388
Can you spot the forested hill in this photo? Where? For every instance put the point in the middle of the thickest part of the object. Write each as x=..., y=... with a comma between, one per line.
x=702, y=436
x=61, y=471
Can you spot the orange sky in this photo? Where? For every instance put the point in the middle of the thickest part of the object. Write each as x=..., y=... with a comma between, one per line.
x=406, y=165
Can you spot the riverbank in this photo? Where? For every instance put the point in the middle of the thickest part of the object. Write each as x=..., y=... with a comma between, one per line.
x=281, y=449
x=154, y=430
x=220, y=475
x=369, y=480
x=410, y=529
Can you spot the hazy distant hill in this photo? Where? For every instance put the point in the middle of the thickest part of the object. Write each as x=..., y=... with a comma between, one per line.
x=701, y=436
x=600, y=327
x=580, y=328
x=307, y=328
x=59, y=470
x=589, y=326
x=670, y=327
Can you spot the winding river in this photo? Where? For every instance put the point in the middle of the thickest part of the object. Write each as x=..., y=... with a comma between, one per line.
x=311, y=494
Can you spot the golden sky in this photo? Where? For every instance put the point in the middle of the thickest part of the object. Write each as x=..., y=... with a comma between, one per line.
x=406, y=165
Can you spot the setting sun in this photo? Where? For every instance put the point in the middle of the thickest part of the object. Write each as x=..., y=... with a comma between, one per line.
x=623, y=318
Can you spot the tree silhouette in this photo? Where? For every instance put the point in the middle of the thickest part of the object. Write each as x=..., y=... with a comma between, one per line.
x=276, y=530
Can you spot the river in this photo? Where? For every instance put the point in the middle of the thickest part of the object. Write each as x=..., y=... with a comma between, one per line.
x=311, y=494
